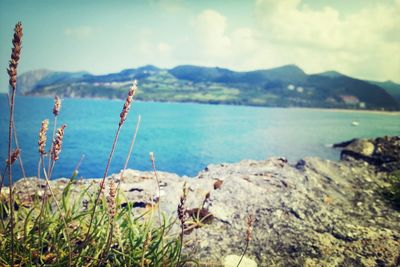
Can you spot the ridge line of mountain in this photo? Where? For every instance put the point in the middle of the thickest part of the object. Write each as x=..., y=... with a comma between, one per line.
x=285, y=86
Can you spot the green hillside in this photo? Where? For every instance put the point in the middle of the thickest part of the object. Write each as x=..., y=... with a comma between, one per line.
x=286, y=86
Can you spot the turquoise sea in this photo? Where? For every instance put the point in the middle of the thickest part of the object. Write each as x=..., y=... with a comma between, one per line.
x=185, y=138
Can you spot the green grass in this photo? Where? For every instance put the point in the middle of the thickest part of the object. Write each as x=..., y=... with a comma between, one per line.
x=41, y=237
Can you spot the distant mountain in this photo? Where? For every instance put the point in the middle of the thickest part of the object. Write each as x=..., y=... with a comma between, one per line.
x=286, y=86
x=331, y=74
x=220, y=75
x=390, y=87
x=28, y=80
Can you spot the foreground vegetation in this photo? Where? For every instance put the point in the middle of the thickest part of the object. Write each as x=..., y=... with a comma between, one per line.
x=87, y=229
x=49, y=235
x=94, y=225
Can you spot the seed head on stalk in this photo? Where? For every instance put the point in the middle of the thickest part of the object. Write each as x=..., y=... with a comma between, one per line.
x=15, y=55
x=57, y=106
x=14, y=156
x=43, y=137
x=128, y=103
x=57, y=143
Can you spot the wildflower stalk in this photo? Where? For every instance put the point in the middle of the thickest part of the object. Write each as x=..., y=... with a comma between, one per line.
x=123, y=115
x=3, y=177
x=76, y=170
x=56, y=111
x=153, y=164
x=42, y=142
x=56, y=148
x=182, y=216
x=21, y=165
x=133, y=140
x=12, y=72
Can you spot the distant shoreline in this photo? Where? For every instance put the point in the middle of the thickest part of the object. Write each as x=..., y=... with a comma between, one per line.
x=380, y=112
x=371, y=111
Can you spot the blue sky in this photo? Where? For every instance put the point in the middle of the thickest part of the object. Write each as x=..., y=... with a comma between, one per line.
x=359, y=37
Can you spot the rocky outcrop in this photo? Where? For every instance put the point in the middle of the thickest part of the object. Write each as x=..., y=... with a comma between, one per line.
x=382, y=152
x=314, y=213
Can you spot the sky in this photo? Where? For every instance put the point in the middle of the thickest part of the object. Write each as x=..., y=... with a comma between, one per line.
x=360, y=38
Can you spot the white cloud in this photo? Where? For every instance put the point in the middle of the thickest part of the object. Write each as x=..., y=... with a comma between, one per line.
x=364, y=43
x=211, y=27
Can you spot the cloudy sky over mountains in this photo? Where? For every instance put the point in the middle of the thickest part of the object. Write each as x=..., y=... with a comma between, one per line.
x=360, y=38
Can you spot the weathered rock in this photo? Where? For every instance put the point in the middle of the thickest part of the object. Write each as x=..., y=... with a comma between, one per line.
x=383, y=152
x=314, y=213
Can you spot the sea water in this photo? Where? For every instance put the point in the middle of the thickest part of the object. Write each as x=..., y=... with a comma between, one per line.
x=185, y=137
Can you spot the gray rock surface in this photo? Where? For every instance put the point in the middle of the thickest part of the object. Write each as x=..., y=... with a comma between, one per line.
x=382, y=152
x=314, y=213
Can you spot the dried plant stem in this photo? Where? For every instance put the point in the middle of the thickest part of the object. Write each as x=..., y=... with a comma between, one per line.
x=41, y=209
x=10, y=182
x=21, y=165
x=153, y=164
x=102, y=184
x=38, y=168
x=75, y=172
x=244, y=252
x=49, y=171
x=249, y=236
x=61, y=213
x=3, y=177
x=12, y=72
x=181, y=211
x=123, y=115
x=129, y=152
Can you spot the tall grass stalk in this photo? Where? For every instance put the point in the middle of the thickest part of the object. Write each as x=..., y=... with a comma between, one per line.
x=123, y=115
x=12, y=72
x=76, y=170
x=153, y=164
x=56, y=111
x=42, y=143
x=21, y=164
x=181, y=211
x=128, y=157
x=3, y=177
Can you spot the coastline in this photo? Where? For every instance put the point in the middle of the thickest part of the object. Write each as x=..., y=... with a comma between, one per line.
x=379, y=112
x=370, y=111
